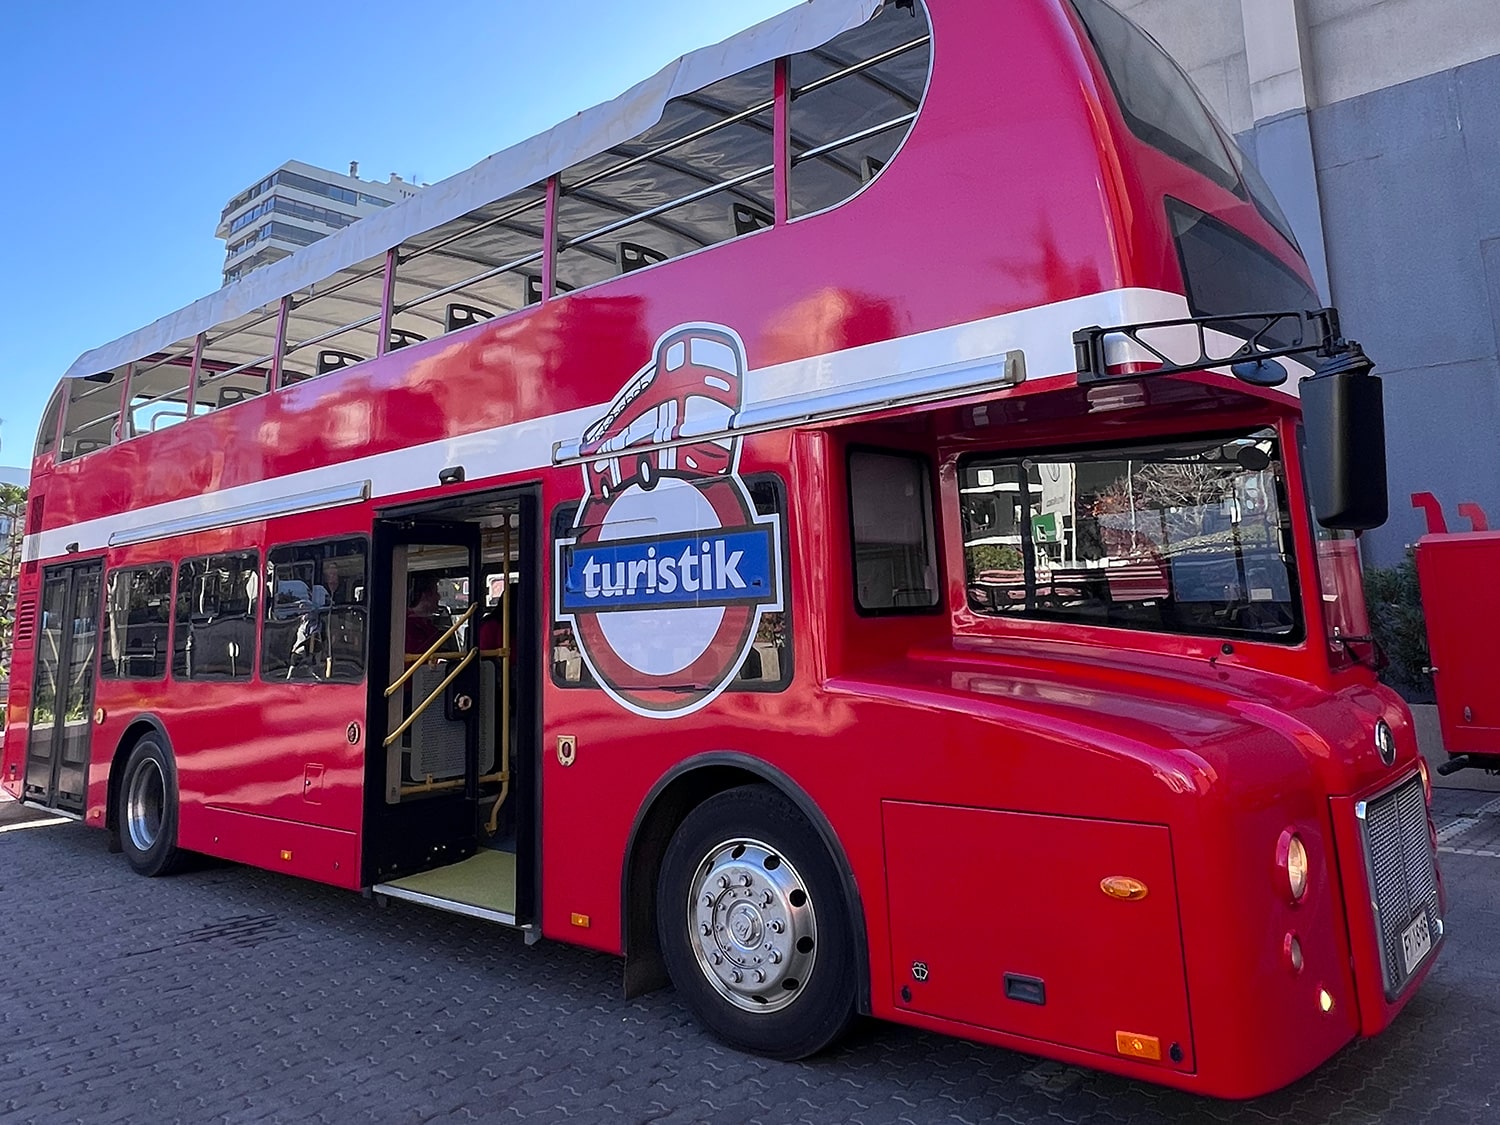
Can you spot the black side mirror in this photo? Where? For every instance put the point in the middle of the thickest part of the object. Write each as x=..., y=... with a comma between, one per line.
x=1343, y=412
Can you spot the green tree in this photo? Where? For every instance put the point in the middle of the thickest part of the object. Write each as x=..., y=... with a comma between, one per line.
x=12, y=519
x=1394, y=596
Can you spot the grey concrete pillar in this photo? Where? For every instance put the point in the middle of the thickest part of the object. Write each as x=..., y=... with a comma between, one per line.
x=1279, y=61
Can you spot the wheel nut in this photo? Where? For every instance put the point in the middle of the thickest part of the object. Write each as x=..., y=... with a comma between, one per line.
x=774, y=956
x=746, y=881
x=760, y=977
x=723, y=882
x=777, y=926
x=705, y=929
x=766, y=899
x=736, y=976
x=717, y=959
x=708, y=900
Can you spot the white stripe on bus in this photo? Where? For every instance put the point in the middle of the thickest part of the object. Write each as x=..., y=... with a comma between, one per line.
x=1044, y=333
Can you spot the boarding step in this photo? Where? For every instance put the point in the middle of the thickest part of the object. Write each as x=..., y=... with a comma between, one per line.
x=482, y=886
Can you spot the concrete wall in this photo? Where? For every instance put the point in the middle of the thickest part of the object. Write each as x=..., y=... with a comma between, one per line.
x=1410, y=185
x=1377, y=122
x=1359, y=46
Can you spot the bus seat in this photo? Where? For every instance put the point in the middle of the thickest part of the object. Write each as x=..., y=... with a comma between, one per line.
x=223, y=647
x=345, y=627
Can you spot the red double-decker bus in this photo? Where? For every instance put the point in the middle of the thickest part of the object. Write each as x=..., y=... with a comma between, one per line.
x=992, y=681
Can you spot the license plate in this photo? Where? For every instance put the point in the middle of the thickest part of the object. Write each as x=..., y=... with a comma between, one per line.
x=1416, y=941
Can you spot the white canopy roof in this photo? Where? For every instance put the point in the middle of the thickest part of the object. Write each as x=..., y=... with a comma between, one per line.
x=809, y=25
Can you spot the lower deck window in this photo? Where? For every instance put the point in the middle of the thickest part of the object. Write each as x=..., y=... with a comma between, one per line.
x=895, y=565
x=316, y=613
x=1187, y=537
x=214, y=636
x=138, y=614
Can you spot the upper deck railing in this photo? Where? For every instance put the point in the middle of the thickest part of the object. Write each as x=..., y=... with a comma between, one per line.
x=792, y=117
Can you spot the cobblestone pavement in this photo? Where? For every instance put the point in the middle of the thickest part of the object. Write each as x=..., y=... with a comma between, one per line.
x=235, y=995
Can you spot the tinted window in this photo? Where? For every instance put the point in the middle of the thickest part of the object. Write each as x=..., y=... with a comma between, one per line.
x=1188, y=537
x=895, y=567
x=316, y=612
x=216, y=607
x=1261, y=193
x=1225, y=273
x=1158, y=100
x=137, y=618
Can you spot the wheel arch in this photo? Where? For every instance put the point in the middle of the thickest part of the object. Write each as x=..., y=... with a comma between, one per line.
x=139, y=727
x=675, y=794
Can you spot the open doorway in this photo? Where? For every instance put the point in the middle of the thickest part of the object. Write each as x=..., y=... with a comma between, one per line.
x=454, y=706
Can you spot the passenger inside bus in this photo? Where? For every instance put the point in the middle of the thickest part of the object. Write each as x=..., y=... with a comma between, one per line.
x=332, y=590
x=422, y=631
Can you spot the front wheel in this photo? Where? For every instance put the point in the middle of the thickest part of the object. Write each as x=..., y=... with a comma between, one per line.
x=754, y=927
x=147, y=812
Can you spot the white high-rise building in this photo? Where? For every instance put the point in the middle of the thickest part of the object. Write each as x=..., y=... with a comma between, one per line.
x=295, y=205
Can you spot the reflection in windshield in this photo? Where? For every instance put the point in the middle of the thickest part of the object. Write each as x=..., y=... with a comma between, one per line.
x=1190, y=537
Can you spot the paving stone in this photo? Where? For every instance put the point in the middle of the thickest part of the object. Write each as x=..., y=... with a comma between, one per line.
x=233, y=995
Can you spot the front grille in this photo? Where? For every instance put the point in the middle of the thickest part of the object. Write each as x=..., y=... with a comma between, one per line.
x=1403, y=873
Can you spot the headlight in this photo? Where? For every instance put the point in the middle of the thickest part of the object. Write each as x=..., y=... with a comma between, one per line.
x=1385, y=742
x=1292, y=858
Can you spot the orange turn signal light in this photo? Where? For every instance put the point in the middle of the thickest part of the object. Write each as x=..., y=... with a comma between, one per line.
x=581, y=920
x=1123, y=887
x=1135, y=1046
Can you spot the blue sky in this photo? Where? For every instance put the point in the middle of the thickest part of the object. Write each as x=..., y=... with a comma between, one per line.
x=127, y=127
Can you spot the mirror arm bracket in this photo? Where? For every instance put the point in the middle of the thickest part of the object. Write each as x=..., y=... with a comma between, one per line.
x=1317, y=334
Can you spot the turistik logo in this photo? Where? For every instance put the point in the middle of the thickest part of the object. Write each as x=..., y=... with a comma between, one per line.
x=669, y=569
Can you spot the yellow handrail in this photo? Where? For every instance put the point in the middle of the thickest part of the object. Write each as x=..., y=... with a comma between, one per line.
x=426, y=703
x=401, y=683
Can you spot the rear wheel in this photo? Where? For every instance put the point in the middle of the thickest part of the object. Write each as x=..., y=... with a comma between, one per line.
x=754, y=927
x=147, y=813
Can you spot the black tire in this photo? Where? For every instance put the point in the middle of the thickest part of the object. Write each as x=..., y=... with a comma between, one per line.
x=147, y=810
x=648, y=475
x=804, y=1001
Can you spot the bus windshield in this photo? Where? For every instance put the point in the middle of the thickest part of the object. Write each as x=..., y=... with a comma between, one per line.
x=1188, y=537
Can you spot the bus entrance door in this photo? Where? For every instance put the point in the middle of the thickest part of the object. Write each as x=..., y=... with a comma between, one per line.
x=57, y=751
x=426, y=709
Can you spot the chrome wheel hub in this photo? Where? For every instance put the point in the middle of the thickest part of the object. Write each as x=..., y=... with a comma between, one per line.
x=752, y=925
x=144, y=802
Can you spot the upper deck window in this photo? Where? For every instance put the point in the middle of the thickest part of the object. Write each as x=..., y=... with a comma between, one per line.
x=853, y=103
x=1158, y=100
x=91, y=415
x=1226, y=273
x=46, y=434
x=1190, y=536
x=703, y=174
x=1165, y=110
